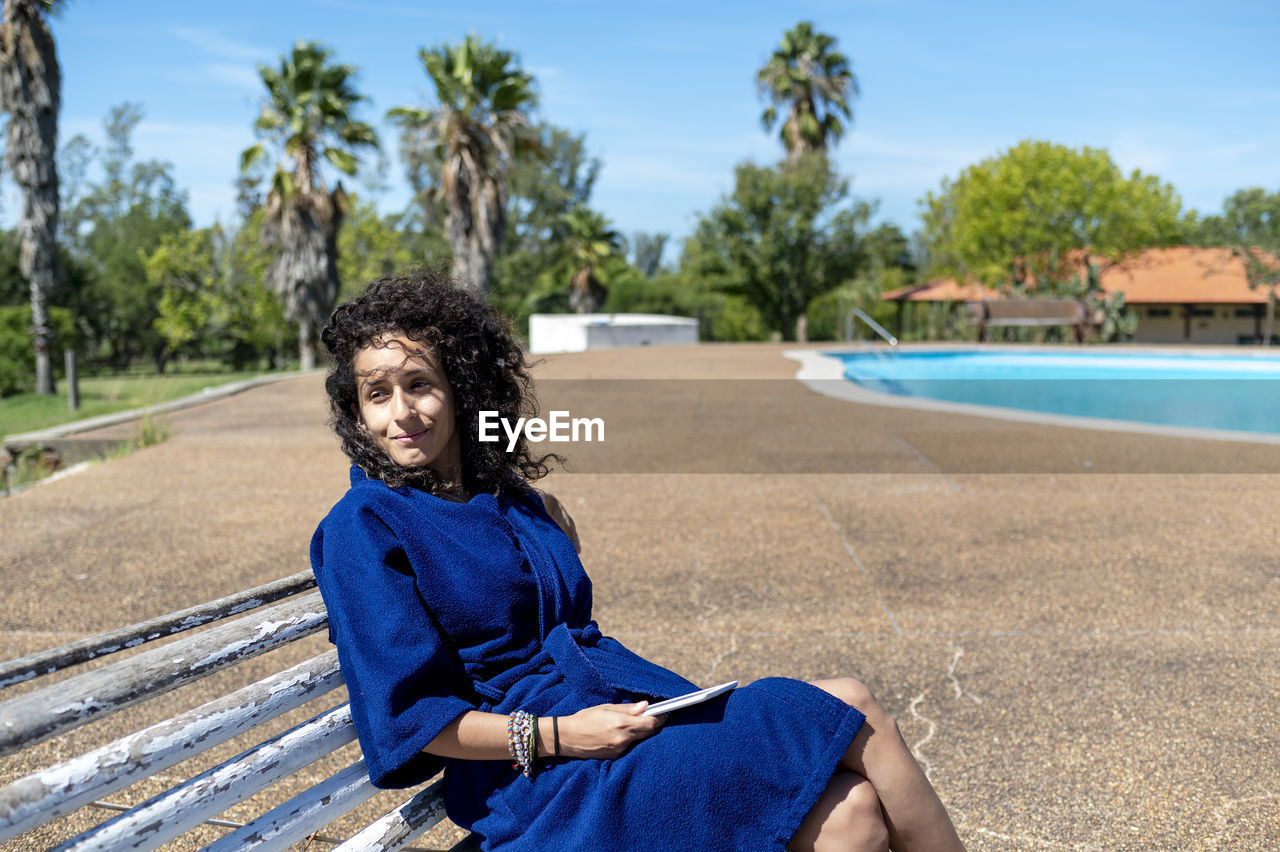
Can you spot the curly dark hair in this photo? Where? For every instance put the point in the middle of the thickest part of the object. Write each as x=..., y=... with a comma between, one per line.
x=472, y=343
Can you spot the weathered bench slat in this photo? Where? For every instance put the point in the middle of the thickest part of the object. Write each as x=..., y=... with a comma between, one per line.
x=399, y=827
x=47, y=794
x=56, y=659
x=304, y=814
x=38, y=715
x=176, y=811
x=1029, y=322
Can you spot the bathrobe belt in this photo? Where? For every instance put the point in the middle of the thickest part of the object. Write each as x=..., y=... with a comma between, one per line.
x=562, y=650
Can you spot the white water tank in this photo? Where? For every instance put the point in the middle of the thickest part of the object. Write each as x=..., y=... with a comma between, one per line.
x=580, y=332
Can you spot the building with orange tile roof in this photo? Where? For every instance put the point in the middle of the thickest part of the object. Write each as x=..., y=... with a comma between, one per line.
x=1182, y=294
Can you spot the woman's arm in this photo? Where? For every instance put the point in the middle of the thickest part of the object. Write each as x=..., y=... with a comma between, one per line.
x=603, y=731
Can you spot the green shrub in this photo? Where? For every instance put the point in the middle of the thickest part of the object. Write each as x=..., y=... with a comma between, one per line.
x=17, y=351
x=721, y=316
x=666, y=294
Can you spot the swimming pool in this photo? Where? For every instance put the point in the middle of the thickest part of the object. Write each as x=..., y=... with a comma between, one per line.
x=1189, y=390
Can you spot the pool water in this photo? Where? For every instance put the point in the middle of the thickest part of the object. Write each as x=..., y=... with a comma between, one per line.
x=1238, y=393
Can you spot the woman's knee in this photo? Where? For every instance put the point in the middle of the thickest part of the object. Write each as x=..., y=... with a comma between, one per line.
x=853, y=692
x=847, y=817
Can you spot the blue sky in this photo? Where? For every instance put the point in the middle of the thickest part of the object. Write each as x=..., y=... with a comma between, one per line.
x=665, y=91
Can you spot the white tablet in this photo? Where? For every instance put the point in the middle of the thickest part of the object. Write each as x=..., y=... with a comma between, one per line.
x=688, y=700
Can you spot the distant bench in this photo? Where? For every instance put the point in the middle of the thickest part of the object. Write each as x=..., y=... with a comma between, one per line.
x=1030, y=312
x=295, y=611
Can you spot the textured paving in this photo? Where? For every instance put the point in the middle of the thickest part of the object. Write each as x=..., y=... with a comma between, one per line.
x=1078, y=631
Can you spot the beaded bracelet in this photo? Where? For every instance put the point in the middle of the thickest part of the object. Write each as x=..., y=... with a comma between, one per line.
x=522, y=740
x=516, y=736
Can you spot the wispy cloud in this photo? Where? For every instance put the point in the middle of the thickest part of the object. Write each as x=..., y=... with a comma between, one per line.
x=1135, y=150
x=229, y=61
x=212, y=41
x=242, y=77
x=659, y=173
x=543, y=72
x=455, y=14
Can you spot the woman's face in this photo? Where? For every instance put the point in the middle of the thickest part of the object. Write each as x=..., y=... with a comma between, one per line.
x=406, y=405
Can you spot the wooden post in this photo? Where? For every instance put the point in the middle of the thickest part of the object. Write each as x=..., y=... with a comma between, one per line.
x=73, y=380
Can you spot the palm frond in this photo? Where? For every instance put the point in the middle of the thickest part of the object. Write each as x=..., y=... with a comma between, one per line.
x=251, y=156
x=809, y=74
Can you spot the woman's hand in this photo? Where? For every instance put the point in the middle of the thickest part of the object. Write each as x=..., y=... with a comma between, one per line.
x=604, y=731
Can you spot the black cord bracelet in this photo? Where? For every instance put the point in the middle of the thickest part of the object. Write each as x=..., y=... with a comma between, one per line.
x=533, y=753
x=555, y=733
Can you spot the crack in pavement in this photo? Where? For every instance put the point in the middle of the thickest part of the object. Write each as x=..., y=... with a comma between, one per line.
x=951, y=673
x=925, y=460
x=961, y=821
x=695, y=593
x=709, y=609
x=960, y=692
x=1214, y=841
x=866, y=575
x=1032, y=839
x=733, y=647
x=933, y=729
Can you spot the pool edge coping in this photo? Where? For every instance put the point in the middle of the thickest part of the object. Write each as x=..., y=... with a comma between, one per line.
x=822, y=372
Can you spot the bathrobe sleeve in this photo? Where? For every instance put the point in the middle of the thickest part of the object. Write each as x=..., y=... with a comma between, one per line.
x=403, y=680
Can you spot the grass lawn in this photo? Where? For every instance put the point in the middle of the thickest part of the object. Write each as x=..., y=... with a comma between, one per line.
x=104, y=394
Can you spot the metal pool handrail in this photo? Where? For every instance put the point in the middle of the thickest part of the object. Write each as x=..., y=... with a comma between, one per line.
x=875, y=326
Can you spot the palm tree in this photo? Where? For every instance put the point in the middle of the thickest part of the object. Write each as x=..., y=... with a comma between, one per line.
x=815, y=82
x=30, y=92
x=307, y=116
x=588, y=244
x=480, y=126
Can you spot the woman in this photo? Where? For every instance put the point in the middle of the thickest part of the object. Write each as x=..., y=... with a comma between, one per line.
x=462, y=618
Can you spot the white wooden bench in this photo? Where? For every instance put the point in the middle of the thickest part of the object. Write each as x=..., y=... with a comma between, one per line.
x=279, y=613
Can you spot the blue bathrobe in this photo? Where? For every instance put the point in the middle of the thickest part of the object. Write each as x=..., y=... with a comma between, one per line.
x=438, y=608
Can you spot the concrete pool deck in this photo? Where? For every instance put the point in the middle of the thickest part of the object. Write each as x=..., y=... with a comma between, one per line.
x=1077, y=630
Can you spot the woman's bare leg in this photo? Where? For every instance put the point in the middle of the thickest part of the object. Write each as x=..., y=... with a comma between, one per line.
x=847, y=818
x=913, y=814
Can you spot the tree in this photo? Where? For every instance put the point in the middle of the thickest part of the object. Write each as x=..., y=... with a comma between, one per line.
x=31, y=93
x=815, y=84
x=647, y=252
x=887, y=248
x=256, y=326
x=543, y=189
x=1250, y=217
x=308, y=115
x=121, y=220
x=1250, y=227
x=589, y=244
x=1031, y=213
x=784, y=236
x=479, y=128
x=372, y=247
x=184, y=272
